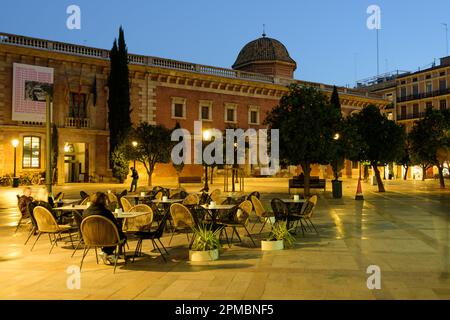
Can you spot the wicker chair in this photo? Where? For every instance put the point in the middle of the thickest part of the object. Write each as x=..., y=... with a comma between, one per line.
x=260, y=212
x=254, y=193
x=191, y=200
x=182, y=220
x=216, y=195
x=126, y=205
x=46, y=223
x=240, y=219
x=140, y=223
x=98, y=232
x=78, y=218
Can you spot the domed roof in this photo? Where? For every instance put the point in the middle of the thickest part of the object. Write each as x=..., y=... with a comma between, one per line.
x=263, y=49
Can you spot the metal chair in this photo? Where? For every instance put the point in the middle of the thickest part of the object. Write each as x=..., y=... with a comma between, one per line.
x=240, y=219
x=152, y=235
x=98, y=232
x=46, y=223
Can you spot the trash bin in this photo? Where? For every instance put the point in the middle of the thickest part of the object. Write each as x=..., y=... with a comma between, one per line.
x=337, y=189
x=15, y=183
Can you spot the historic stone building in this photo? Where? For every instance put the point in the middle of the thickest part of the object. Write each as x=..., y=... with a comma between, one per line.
x=163, y=91
x=411, y=93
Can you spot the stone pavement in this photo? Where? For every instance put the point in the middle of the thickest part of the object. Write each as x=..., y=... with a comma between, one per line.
x=406, y=232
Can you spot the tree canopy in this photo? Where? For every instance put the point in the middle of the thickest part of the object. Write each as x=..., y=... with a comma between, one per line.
x=119, y=119
x=380, y=140
x=430, y=141
x=153, y=145
x=306, y=122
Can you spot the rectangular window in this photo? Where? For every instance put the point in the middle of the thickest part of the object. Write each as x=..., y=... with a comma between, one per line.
x=442, y=105
x=178, y=108
x=415, y=90
x=403, y=92
x=355, y=164
x=31, y=152
x=429, y=87
x=415, y=110
x=442, y=85
x=429, y=104
x=205, y=110
x=442, y=73
x=231, y=113
x=253, y=115
x=403, y=111
x=77, y=105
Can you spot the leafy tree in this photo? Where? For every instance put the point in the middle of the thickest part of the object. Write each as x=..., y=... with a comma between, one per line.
x=306, y=122
x=383, y=139
x=430, y=140
x=120, y=159
x=154, y=145
x=119, y=92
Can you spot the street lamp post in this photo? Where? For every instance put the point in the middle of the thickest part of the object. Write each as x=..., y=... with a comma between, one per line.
x=135, y=144
x=206, y=137
x=15, y=183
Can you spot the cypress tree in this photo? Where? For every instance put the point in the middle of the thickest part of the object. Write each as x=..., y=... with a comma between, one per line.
x=119, y=92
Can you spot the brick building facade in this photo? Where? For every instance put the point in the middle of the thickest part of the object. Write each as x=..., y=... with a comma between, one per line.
x=162, y=91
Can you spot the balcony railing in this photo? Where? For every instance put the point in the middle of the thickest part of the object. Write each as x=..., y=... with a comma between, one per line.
x=424, y=95
x=77, y=123
x=411, y=116
x=134, y=59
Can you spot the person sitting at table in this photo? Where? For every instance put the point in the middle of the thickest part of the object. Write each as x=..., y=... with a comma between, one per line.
x=98, y=207
x=23, y=202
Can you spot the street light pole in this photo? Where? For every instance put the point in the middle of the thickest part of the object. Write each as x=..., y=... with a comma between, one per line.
x=135, y=144
x=48, y=162
x=206, y=137
x=15, y=143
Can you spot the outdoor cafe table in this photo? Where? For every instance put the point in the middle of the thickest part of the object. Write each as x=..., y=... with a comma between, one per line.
x=213, y=210
x=138, y=197
x=124, y=215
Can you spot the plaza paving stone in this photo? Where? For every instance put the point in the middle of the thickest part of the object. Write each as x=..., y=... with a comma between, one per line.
x=405, y=231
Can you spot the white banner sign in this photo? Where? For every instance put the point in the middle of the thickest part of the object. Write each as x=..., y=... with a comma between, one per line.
x=30, y=84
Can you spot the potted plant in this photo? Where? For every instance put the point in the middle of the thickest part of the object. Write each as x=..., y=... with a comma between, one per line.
x=279, y=238
x=206, y=243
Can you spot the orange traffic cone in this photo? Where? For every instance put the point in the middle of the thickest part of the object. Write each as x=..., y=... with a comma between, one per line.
x=359, y=194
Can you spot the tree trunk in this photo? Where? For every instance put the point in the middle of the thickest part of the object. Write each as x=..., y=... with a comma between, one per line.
x=441, y=176
x=377, y=175
x=405, y=176
x=424, y=172
x=306, y=166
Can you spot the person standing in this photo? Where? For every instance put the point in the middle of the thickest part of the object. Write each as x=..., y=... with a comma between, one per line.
x=135, y=178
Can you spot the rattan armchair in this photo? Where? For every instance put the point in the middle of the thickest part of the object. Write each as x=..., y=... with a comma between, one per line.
x=46, y=223
x=98, y=232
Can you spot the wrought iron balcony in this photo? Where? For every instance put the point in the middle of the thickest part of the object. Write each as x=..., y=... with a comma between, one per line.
x=424, y=95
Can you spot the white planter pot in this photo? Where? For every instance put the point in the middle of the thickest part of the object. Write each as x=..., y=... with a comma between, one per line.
x=201, y=256
x=272, y=245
